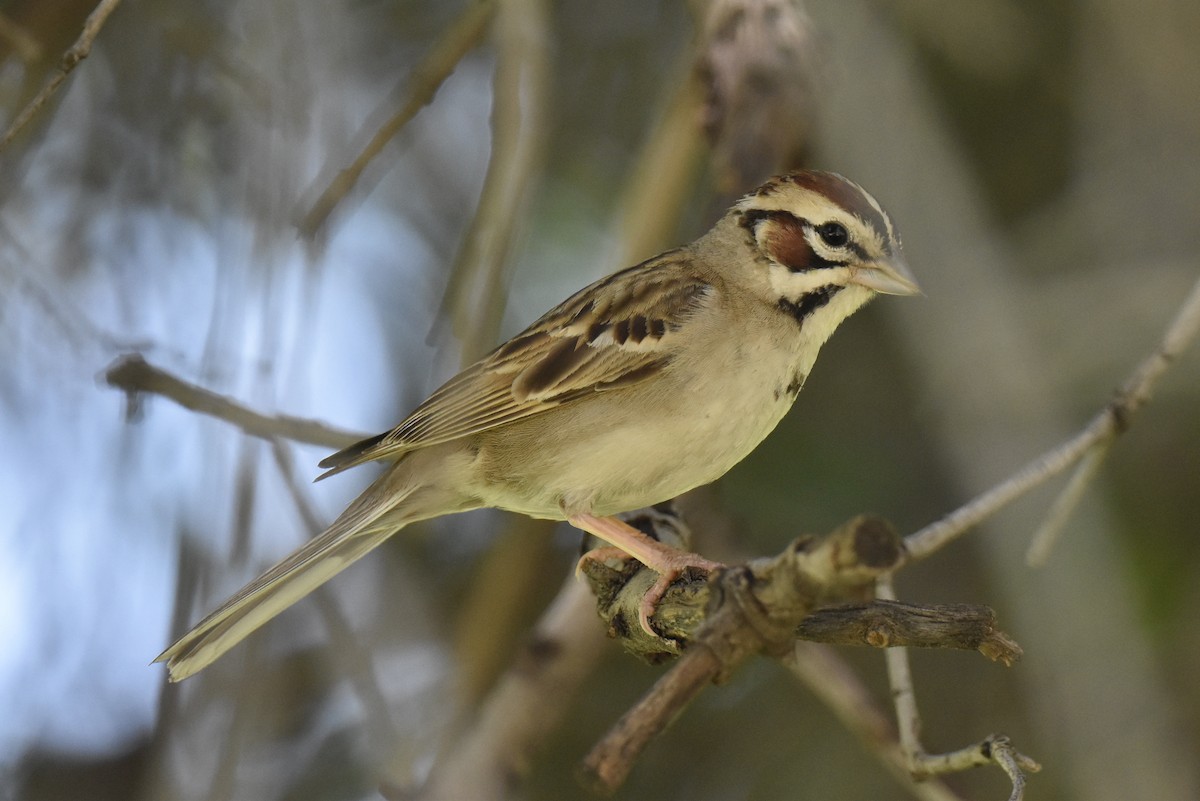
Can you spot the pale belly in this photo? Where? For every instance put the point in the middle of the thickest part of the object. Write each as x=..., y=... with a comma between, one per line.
x=609, y=458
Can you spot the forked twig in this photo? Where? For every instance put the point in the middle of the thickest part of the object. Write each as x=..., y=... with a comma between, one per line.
x=994, y=749
x=1044, y=539
x=1113, y=420
x=835, y=683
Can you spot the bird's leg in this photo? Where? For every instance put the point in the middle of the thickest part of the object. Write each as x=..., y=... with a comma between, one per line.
x=668, y=562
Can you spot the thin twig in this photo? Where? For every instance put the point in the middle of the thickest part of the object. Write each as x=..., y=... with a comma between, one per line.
x=1045, y=538
x=611, y=760
x=834, y=682
x=994, y=749
x=134, y=375
x=422, y=84
x=1011, y=762
x=70, y=59
x=908, y=717
x=1112, y=421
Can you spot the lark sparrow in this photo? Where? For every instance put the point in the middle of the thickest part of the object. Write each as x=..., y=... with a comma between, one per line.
x=652, y=381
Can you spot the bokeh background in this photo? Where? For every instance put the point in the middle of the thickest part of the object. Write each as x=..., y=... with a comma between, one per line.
x=1041, y=157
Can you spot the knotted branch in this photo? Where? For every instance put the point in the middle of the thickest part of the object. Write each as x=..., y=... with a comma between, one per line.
x=741, y=611
x=764, y=606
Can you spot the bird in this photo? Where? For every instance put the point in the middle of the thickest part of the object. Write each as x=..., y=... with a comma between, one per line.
x=645, y=384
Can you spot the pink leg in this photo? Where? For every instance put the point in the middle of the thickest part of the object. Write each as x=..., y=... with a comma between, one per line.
x=666, y=561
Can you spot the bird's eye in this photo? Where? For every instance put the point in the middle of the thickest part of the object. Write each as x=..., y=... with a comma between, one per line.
x=833, y=234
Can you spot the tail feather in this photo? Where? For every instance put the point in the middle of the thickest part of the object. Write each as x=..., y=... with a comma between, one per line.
x=359, y=453
x=369, y=521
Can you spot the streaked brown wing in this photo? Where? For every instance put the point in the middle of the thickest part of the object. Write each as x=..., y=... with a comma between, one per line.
x=614, y=333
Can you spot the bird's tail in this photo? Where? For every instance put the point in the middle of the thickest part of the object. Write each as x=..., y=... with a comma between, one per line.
x=377, y=514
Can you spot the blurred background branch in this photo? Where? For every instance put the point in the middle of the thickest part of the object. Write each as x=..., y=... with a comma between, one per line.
x=134, y=376
x=476, y=290
x=418, y=91
x=1086, y=449
x=75, y=53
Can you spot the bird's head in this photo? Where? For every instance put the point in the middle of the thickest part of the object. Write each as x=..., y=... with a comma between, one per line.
x=819, y=232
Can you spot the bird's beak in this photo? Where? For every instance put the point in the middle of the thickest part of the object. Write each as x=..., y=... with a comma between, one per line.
x=889, y=276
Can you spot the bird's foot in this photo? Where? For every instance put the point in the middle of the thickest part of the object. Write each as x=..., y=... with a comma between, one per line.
x=668, y=562
x=677, y=562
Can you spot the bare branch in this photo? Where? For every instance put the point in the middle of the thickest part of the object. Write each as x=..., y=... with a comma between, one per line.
x=1047, y=535
x=908, y=718
x=1112, y=421
x=751, y=609
x=70, y=59
x=422, y=84
x=993, y=749
x=134, y=375
x=892, y=624
x=716, y=624
x=611, y=760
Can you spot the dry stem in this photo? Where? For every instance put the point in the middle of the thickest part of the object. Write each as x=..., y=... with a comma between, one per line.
x=74, y=54
x=992, y=749
x=134, y=375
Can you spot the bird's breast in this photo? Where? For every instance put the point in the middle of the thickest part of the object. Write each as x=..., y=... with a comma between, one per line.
x=633, y=447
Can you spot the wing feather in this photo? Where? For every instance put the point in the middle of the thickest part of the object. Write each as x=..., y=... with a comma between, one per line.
x=611, y=334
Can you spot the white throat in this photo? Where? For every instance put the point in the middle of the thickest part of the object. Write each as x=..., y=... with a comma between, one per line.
x=820, y=324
